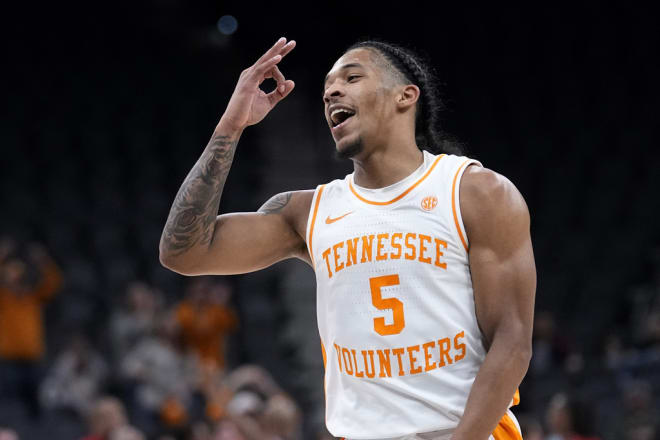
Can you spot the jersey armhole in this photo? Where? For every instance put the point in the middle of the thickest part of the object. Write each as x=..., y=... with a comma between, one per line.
x=311, y=221
x=456, y=202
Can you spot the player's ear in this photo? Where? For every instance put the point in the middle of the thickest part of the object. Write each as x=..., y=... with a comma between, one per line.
x=408, y=96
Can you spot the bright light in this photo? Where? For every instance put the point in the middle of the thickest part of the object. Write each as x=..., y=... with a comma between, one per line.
x=227, y=24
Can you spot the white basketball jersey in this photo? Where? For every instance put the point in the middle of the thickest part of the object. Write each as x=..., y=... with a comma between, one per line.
x=395, y=304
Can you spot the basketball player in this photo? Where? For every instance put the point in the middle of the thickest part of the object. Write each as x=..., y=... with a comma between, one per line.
x=423, y=262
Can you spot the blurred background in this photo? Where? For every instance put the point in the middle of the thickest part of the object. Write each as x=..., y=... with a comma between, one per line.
x=108, y=105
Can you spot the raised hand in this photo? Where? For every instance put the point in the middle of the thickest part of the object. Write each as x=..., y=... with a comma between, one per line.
x=195, y=239
x=249, y=104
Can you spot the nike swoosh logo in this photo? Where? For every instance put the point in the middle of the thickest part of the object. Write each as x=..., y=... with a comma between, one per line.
x=329, y=220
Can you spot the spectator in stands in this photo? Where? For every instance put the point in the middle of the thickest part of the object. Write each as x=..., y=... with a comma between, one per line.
x=26, y=283
x=569, y=419
x=281, y=418
x=8, y=434
x=205, y=319
x=76, y=378
x=530, y=428
x=136, y=320
x=551, y=349
x=641, y=416
x=614, y=352
x=259, y=407
x=199, y=430
x=126, y=433
x=164, y=378
x=228, y=430
x=107, y=415
x=640, y=432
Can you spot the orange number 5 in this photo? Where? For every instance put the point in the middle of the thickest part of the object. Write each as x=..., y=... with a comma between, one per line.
x=384, y=304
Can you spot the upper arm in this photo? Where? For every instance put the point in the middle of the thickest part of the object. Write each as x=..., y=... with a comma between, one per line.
x=502, y=265
x=247, y=241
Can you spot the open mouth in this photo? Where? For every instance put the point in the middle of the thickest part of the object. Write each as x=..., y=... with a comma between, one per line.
x=340, y=115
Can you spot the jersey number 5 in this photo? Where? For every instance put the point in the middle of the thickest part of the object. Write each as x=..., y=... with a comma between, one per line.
x=393, y=304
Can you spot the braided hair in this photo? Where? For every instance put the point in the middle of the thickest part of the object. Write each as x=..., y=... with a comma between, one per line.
x=412, y=69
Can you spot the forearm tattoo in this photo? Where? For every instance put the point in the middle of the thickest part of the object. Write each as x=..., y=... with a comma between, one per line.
x=191, y=221
x=276, y=203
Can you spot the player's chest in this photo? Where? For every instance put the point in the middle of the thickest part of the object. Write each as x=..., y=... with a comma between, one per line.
x=355, y=236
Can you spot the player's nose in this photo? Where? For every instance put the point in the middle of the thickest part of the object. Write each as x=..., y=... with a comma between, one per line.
x=333, y=91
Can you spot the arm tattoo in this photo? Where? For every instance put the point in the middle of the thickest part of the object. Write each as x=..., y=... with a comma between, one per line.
x=191, y=221
x=276, y=203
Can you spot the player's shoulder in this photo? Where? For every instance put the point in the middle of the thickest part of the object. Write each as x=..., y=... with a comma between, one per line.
x=298, y=203
x=290, y=207
x=286, y=200
x=333, y=190
x=483, y=182
x=303, y=196
x=484, y=191
x=336, y=183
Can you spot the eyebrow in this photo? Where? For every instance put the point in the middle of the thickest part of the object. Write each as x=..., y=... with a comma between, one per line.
x=344, y=67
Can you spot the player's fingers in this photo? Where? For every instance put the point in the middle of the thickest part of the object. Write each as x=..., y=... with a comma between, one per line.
x=262, y=70
x=281, y=92
x=270, y=53
x=277, y=75
x=288, y=47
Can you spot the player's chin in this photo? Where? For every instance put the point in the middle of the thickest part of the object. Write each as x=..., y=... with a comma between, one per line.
x=348, y=148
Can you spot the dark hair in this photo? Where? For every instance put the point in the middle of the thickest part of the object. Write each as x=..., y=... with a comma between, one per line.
x=414, y=69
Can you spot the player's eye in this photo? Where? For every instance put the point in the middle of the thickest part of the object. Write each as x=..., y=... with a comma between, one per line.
x=351, y=78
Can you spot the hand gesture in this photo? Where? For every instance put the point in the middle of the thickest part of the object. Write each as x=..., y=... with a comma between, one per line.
x=249, y=104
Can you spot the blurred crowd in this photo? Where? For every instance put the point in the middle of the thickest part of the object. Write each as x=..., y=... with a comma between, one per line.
x=572, y=393
x=157, y=371
x=106, y=117
x=166, y=371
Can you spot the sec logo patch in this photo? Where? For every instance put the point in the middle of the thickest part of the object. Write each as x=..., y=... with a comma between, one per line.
x=429, y=202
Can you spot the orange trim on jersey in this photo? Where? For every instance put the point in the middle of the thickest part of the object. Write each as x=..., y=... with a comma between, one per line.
x=325, y=359
x=453, y=205
x=403, y=194
x=507, y=430
x=516, y=397
x=325, y=386
x=311, y=226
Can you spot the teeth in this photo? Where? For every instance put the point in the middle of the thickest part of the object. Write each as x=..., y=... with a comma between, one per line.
x=340, y=110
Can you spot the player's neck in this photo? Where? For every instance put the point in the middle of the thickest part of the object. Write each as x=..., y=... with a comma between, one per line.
x=387, y=165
